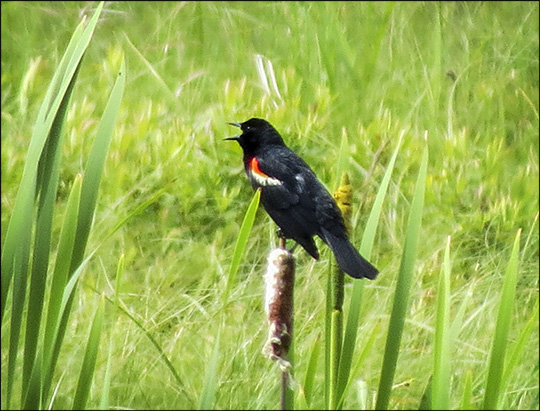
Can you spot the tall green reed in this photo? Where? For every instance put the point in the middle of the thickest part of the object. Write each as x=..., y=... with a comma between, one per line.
x=208, y=393
x=341, y=343
x=27, y=270
x=403, y=286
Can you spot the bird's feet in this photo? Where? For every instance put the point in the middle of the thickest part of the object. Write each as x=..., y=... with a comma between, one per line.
x=283, y=241
x=282, y=238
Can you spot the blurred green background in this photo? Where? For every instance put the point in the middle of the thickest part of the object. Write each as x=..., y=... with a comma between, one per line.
x=464, y=75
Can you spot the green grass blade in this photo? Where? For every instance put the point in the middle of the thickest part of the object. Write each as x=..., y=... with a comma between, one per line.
x=68, y=65
x=440, y=387
x=61, y=327
x=48, y=175
x=241, y=242
x=344, y=155
x=208, y=394
x=138, y=209
x=519, y=346
x=94, y=167
x=504, y=315
x=531, y=231
x=359, y=362
x=16, y=248
x=373, y=219
x=351, y=329
x=58, y=283
x=155, y=343
x=61, y=269
x=151, y=69
x=105, y=392
x=34, y=393
x=401, y=296
x=466, y=397
x=89, y=362
x=311, y=371
x=89, y=188
x=427, y=397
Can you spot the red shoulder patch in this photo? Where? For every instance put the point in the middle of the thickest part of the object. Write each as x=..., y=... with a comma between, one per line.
x=259, y=176
x=254, y=166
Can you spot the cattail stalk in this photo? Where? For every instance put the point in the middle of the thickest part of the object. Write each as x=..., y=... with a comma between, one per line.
x=279, y=278
x=343, y=197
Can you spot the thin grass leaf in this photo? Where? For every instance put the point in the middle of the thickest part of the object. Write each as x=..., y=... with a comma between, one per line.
x=311, y=371
x=95, y=165
x=89, y=362
x=162, y=354
x=139, y=208
x=373, y=220
x=403, y=285
x=58, y=333
x=519, y=346
x=69, y=63
x=528, y=240
x=366, y=349
x=466, y=397
x=104, y=400
x=39, y=373
x=427, y=397
x=498, y=350
x=351, y=329
x=151, y=68
x=241, y=242
x=301, y=402
x=458, y=320
x=440, y=387
x=63, y=259
x=58, y=282
x=105, y=391
x=362, y=394
x=33, y=399
x=208, y=394
x=344, y=156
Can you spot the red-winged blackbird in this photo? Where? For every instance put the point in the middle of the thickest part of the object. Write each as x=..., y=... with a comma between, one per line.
x=294, y=198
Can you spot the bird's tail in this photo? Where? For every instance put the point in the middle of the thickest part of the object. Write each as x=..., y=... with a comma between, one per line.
x=348, y=258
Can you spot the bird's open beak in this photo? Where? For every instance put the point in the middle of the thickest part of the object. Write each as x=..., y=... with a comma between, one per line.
x=235, y=138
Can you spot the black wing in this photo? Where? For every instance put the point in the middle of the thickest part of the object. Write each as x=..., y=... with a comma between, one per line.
x=292, y=204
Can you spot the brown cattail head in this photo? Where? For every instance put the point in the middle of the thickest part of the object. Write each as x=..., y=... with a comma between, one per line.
x=279, y=305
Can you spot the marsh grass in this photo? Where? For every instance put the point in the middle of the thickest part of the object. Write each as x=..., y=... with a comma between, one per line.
x=172, y=195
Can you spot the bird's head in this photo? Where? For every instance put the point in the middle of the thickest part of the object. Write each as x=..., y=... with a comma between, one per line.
x=256, y=133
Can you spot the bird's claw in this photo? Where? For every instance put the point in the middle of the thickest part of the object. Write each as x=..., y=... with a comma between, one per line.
x=283, y=241
x=282, y=238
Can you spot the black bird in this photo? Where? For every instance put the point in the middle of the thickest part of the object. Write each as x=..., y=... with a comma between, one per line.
x=294, y=198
